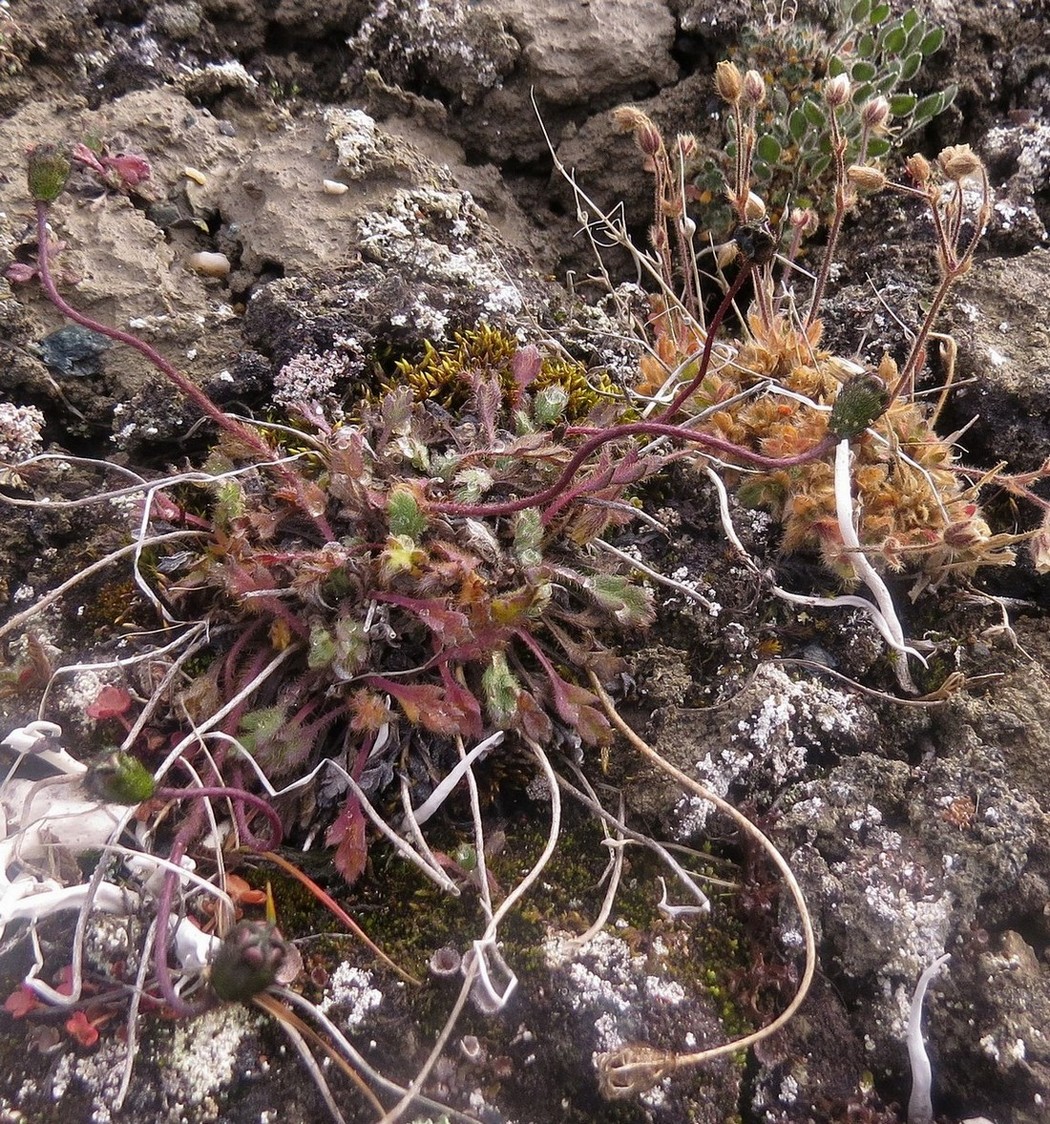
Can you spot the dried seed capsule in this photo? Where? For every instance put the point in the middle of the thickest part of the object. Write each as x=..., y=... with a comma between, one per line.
x=959, y=161
x=861, y=400
x=47, y=172
x=866, y=178
x=120, y=779
x=728, y=82
x=248, y=961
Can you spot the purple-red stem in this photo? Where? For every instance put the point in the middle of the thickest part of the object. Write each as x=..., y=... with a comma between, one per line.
x=237, y=796
x=165, y=900
x=193, y=392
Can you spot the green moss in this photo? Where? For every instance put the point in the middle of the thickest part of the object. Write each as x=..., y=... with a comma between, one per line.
x=448, y=375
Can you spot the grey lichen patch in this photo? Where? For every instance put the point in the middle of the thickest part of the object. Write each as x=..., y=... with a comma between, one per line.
x=433, y=232
x=350, y=996
x=206, y=1055
x=98, y=1075
x=763, y=738
x=355, y=137
x=454, y=46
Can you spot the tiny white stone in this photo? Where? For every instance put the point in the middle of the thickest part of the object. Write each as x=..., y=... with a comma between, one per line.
x=208, y=264
x=334, y=187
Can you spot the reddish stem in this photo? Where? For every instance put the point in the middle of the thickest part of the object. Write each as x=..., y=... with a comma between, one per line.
x=193, y=392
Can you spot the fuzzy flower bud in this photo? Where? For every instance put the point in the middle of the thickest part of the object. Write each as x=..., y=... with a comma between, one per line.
x=875, y=113
x=728, y=82
x=646, y=134
x=837, y=91
x=918, y=167
x=754, y=90
x=47, y=172
x=247, y=961
x=120, y=779
x=804, y=220
x=866, y=178
x=959, y=161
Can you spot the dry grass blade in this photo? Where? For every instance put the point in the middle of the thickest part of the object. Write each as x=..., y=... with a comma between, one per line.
x=337, y=910
x=626, y=1072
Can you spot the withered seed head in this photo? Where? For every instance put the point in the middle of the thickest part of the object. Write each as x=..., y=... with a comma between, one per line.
x=728, y=82
x=866, y=178
x=959, y=161
x=918, y=167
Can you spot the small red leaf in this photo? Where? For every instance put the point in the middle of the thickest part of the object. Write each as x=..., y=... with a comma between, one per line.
x=79, y=1027
x=111, y=702
x=21, y=1001
x=347, y=835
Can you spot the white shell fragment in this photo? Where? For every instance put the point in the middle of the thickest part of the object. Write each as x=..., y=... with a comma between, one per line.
x=208, y=264
x=334, y=187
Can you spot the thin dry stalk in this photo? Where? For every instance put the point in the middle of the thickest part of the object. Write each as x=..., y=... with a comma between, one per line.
x=635, y=1069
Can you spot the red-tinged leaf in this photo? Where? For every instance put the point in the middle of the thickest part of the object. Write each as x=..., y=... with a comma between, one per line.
x=449, y=626
x=21, y=1001
x=18, y=273
x=347, y=835
x=465, y=701
x=426, y=705
x=79, y=1027
x=110, y=702
x=83, y=155
x=130, y=169
x=532, y=720
x=525, y=365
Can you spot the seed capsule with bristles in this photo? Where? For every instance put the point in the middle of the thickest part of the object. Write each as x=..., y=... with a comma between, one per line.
x=861, y=400
x=959, y=161
x=754, y=207
x=866, y=178
x=646, y=134
x=729, y=82
x=918, y=167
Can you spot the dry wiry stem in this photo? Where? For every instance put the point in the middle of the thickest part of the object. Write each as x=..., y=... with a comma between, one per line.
x=842, y=200
x=53, y=595
x=635, y=1068
x=954, y=259
x=337, y=910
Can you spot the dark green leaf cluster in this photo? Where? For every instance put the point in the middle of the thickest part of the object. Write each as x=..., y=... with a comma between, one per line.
x=424, y=616
x=880, y=53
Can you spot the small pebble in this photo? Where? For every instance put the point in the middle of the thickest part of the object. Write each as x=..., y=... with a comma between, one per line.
x=209, y=265
x=334, y=187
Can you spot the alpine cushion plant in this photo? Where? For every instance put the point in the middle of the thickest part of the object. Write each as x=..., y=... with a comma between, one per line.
x=362, y=597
